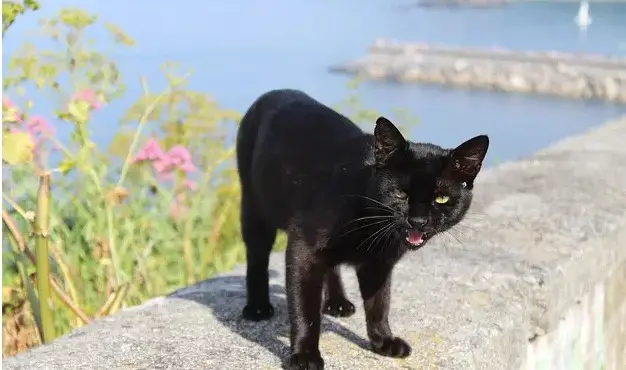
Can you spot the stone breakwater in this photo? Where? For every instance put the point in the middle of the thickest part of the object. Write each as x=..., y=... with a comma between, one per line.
x=579, y=76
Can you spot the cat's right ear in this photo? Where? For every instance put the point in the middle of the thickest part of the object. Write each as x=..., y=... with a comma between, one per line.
x=465, y=160
x=387, y=140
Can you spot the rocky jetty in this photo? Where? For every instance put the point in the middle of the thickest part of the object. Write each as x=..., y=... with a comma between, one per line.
x=571, y=75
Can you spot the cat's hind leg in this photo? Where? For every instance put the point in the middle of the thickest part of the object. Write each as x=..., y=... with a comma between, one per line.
x=259, y=239
x=335, y=301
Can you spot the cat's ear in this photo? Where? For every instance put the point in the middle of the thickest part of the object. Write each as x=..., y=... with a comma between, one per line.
x=387, y=140
x=465, y=161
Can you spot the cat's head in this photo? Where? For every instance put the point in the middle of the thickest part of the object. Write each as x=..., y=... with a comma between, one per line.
x=425, y=189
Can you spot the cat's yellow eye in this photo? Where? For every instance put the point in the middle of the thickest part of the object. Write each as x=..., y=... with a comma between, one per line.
x=442, y=199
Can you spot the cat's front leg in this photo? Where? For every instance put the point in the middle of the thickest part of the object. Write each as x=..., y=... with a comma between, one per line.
x=305, y=269
x=375, y=285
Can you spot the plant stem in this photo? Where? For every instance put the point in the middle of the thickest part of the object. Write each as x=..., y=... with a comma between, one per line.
x=20, y=248
x=114, y=300
x=65, y=271
x=127, y=162
x=112, y=247
x=43, y=264
x=63, y=297
x=187, y=252
x=26, y=281
x=216, y=232
x=60, y=146
x=208, y=173
x=142, y=122
x=15, y=206
x=110, y=229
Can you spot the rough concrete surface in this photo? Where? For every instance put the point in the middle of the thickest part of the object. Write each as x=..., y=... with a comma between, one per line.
x=539, y=235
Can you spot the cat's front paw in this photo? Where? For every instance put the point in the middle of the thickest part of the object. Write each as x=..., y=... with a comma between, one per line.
x=392, y=347
x=258, y=312
x=339, y=307
x=305, y=361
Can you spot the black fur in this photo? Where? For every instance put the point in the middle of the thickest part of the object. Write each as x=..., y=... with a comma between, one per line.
x=344, y=197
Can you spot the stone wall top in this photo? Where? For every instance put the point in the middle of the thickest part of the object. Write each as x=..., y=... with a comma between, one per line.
x=542, y=230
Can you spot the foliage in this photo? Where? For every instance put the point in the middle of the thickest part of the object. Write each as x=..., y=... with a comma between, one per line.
x=121, y=217
x=12, y=9
x=117, y=227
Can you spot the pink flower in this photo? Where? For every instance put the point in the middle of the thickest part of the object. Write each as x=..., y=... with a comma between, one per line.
x=89, y=96
x=165, y=164
x=7, y=103
x=39, y=125
x=162, y=165
x=151, y=151
x=10, y=110
x=165, y=176
x=179, y=156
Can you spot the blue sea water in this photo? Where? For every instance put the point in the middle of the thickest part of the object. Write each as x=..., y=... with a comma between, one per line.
x=241, y=48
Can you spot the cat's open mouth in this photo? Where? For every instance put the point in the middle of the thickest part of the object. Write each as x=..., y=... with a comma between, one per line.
x=416, y=238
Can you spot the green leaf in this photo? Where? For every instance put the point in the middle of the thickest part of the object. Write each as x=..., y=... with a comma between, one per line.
x=119, y=36
x=10, y=115
x=67, y=165
x=79, y=110
x=76, y=18
x=17, y=147
x=64, y=116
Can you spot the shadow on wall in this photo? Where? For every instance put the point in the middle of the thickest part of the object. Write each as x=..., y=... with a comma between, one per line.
x=272, y=334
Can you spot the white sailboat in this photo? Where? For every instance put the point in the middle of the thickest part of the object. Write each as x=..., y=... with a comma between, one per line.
x=583, y=19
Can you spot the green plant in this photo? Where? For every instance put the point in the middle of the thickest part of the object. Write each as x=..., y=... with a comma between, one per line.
x=116, y=227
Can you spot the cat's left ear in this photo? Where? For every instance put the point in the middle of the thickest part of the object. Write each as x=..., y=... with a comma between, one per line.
x=387, y=140
x=465, y=160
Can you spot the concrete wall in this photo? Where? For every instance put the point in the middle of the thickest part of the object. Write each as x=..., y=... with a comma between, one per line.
x=535, y=278
x=591, y=333
x=553, y=73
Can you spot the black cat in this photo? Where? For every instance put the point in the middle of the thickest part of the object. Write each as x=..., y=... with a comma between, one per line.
x=343, y=197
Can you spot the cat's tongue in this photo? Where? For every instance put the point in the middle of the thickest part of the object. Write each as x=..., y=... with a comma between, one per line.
x=414, y=238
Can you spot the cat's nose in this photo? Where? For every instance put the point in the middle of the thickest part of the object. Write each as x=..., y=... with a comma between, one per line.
x=418, y=222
